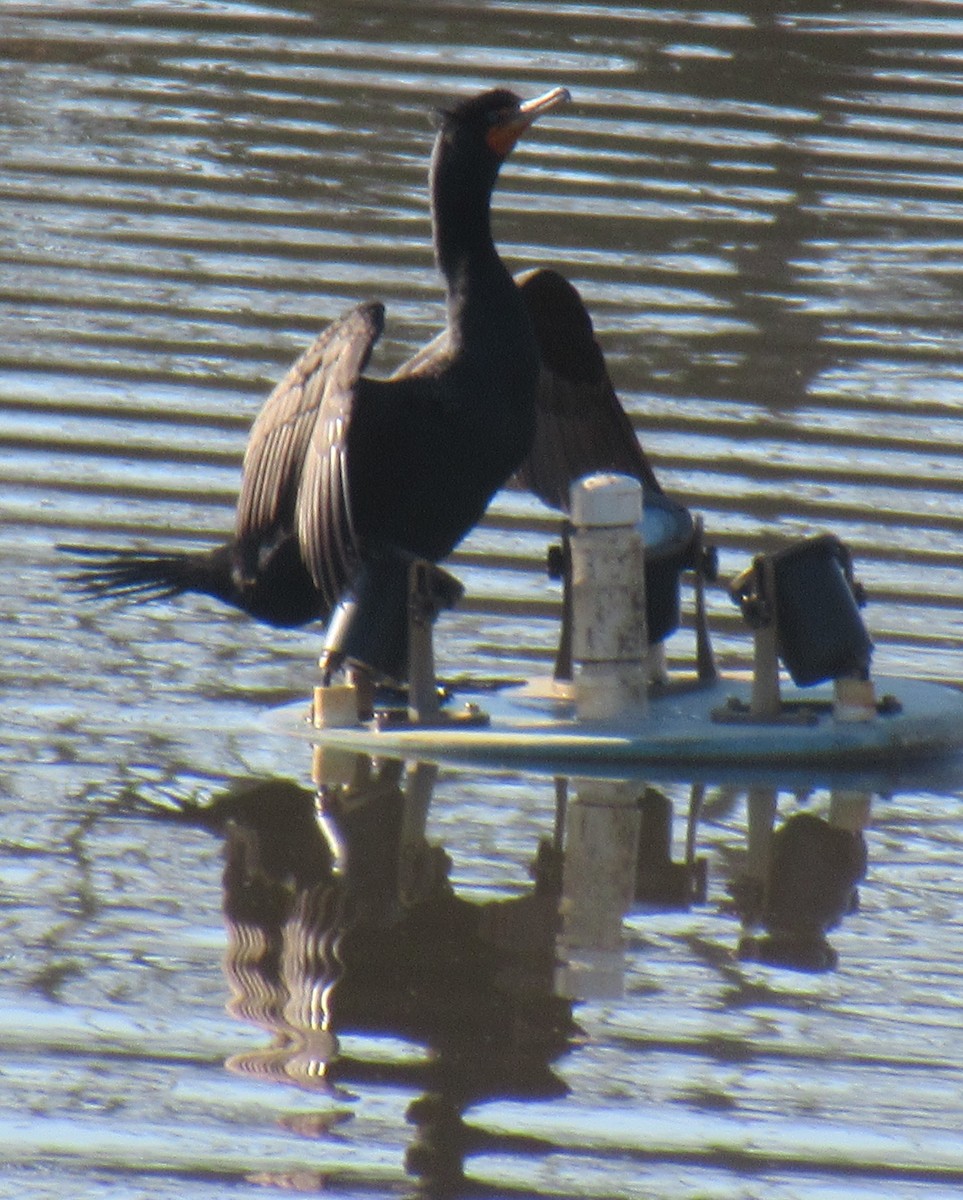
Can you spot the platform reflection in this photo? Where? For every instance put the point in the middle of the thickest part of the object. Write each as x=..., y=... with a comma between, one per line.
x=349, y=944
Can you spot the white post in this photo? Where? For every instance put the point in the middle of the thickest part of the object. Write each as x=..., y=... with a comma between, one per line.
x=609, y=637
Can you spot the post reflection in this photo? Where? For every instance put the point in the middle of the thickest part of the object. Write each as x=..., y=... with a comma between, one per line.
x=346, y=933
x=799, y=879
x=614, y=839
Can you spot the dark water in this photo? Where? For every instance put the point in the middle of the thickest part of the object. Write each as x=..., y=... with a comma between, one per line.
x=763, y=208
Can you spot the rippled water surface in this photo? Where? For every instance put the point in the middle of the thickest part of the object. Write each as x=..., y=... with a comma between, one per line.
x=200, y=995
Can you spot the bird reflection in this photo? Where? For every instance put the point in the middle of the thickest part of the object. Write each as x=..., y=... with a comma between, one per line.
x=342, y=919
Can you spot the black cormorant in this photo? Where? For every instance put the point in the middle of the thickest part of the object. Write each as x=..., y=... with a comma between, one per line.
x=348, y=479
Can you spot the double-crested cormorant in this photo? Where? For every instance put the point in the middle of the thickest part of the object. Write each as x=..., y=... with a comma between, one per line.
x=347, y=479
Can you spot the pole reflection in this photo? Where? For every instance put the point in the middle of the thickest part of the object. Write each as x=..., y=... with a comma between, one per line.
x=799, y=879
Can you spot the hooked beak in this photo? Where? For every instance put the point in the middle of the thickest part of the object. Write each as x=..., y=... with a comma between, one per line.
x=502, y=137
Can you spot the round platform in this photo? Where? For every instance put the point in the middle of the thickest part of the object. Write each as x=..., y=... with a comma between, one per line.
x=688, y=726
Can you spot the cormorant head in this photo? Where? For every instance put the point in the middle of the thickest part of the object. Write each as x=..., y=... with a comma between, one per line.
x=477, y=135
x=496, y=119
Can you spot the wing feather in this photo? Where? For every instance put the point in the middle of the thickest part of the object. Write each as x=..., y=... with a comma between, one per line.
x=322, y=504
x=307, y=414
x=581, y=426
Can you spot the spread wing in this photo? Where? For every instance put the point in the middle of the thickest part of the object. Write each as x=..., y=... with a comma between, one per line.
x=581, y=427
x=295, y=455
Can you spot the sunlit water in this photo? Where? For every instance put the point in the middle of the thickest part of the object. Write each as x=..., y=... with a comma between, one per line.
x=763, y=211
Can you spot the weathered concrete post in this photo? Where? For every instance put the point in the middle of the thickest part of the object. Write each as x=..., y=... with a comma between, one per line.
x=609, y=639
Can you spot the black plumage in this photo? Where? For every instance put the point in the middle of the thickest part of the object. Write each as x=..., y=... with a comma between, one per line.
x=346, y=478
x=580, y=425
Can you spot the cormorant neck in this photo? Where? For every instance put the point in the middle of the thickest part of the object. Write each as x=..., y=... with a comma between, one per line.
x=461, y=215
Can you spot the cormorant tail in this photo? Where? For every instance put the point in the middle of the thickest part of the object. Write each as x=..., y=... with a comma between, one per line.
x=141, y=575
